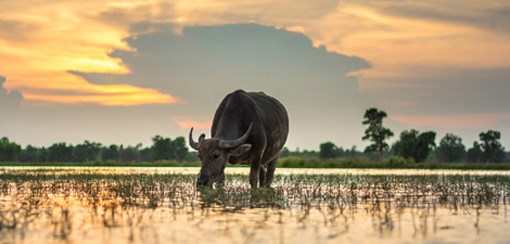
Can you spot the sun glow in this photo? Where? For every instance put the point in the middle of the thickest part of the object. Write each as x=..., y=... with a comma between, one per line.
x=60, y=37
x=40, y=43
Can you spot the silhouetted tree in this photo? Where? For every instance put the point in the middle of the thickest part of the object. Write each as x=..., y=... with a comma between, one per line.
x=87, y=152
x=493, y=151
x=451, y=149
x=110, y=153
x=179, y=148
x=60, y=152
x=30, y=154
x=376, y=132
x=475, y=153
x=146, y=154
x=327, y=150
x=162, y=148
x=130, y=153
x=9, y=151
x=415, y=145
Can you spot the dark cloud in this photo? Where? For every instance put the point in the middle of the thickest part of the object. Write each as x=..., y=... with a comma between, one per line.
x=202, y=64
x=9, y=109
x=8, y=100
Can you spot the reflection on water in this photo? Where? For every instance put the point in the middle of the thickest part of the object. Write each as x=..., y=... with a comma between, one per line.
x=154, y=205
x=246, y=170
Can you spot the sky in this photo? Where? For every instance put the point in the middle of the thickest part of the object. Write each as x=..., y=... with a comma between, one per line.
x=122, y=72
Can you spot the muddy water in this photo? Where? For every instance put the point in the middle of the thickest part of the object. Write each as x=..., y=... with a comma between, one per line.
x=156, y=205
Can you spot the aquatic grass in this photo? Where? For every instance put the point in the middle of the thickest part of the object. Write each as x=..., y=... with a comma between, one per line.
x=55, y=198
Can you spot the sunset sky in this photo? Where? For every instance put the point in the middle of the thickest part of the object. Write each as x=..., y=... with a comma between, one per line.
x=123, y=71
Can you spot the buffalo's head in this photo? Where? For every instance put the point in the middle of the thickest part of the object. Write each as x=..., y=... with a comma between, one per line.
x=215, y=153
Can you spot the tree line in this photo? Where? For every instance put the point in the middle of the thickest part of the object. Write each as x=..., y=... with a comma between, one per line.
x=161, y=149
x=413, y=145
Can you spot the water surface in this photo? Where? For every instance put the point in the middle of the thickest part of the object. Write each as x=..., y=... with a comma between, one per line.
x=161, y=205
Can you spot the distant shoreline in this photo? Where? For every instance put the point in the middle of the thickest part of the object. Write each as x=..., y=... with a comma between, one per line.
x=284, y=163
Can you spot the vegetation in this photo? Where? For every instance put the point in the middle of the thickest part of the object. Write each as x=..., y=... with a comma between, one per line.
x=493, y=151
x=413, y=149
x=415, y=145
x=63, y=206
x=162, y=149
x=328, y=150
x=451, y=149
x=376, y=132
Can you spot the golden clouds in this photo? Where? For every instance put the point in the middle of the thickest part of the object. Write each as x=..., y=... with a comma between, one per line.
x=399, y=46
x=40, y=41
x=61, y=36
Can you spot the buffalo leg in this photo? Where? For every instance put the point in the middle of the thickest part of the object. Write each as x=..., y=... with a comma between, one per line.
x=254, y=174
x=269, y=174
x=262, y=175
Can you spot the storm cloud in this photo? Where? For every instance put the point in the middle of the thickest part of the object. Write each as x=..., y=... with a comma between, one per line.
x=204, y=63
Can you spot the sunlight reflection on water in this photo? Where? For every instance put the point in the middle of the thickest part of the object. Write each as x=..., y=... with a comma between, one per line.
x=152, y=205
x=246, y=170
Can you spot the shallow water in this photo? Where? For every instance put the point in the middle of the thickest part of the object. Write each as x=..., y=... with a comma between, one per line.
x=162, y=205
x=246, y=170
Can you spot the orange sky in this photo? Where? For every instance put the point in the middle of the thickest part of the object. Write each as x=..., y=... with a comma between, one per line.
x=46, y=40
x=406, y=43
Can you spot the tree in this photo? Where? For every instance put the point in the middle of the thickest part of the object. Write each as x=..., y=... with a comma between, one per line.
x=180, y=149
x=9, y=151
x=110, y=153
x=415, y=145
x=474, y=154
x=376, y=132
x=451, y=149
x=493, y=151
x=327, y=150
x=162, y=148
x=30, y=154
x=86, y=152
x=146, y=154
x=130, y=153
x=60, y=152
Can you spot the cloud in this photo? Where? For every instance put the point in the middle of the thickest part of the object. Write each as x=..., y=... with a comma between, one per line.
x=462, y=101
x=435, y=59
x=449, y=91
x=204, y=63
x=8, y=100
x=484, y=15
x=124, y=15
x=15, y=30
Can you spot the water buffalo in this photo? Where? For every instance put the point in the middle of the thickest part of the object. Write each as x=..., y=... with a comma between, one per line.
x=248, y=127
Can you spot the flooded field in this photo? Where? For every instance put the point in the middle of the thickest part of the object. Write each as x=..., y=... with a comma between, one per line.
x=162, y=205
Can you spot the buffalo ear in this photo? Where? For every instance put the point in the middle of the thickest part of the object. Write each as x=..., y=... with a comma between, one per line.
x=240, y=150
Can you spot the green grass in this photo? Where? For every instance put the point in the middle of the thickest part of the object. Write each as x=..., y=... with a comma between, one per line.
x=294, y=162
